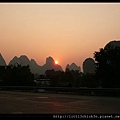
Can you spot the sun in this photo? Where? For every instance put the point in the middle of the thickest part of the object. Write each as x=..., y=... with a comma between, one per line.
x=56, y=62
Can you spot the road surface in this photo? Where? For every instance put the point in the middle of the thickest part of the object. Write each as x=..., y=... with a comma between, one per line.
x=50, y=103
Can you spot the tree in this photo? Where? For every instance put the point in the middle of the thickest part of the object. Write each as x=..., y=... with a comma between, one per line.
x=16, y=75
x=108, y=66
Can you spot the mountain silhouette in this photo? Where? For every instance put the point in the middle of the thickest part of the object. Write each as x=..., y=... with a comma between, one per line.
x=22, y=60
x=50, y=64
x=89, y=66
x=73, y=66
x=34, y=67
x=2, y=61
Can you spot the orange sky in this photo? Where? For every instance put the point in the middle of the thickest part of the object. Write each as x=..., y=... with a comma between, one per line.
x=67, y=32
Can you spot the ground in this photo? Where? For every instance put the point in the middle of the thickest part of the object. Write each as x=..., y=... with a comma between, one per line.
x=49, y=103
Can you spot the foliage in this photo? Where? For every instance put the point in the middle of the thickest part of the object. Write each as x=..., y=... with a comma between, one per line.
x=76, y=79
x=108, y=66
x=16, y=75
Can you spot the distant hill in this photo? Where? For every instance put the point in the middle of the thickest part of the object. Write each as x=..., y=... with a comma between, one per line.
x=22, y=60
x=73, y=66
x=89, y=66
x=50, y=64
x=2, y=61
x=34, y=67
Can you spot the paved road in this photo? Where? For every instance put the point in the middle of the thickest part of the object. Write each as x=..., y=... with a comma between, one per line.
x=49, y=103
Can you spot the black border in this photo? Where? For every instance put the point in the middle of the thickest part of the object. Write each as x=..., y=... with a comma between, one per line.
x=59, y=116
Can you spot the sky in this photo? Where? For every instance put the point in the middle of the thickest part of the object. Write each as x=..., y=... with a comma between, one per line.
x=68, y=32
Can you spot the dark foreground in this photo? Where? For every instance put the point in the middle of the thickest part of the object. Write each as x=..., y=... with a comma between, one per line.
x=49, y=103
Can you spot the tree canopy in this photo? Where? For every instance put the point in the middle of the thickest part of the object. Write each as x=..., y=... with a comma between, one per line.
x=16, y=75
x=108, y=66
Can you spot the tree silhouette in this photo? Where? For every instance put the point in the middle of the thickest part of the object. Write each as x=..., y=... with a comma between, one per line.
x=16, y=75
x=108, y=66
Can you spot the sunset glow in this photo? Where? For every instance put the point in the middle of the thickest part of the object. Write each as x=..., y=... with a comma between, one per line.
x=68, y=32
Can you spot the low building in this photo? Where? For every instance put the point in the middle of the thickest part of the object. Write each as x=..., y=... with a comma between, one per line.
x=42, y=82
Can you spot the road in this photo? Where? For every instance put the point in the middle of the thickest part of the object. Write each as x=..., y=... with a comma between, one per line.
x=49, y=103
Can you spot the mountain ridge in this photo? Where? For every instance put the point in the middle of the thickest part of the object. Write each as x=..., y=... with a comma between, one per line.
x=34, y=67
